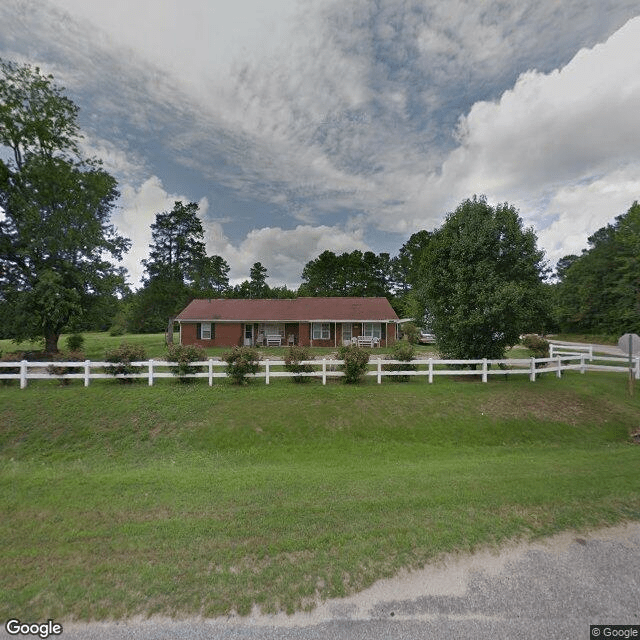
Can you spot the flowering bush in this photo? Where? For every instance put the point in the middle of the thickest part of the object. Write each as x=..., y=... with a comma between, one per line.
x=356, y=360
x=241, y=361
x=184, y=355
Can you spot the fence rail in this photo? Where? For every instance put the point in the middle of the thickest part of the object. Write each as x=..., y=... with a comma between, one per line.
x=324, y=369
x=570, y=350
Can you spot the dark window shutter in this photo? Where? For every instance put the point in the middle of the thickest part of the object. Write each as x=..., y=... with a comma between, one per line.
x=199, y=331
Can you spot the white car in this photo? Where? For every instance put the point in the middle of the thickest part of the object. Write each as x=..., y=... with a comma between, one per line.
x=426, y=337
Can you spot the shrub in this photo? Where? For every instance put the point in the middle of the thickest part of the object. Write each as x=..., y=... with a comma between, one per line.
x=411, y=333
x=405, y=352
x=116, y=330
x=355, y=364
x=184, y=355
x=538, y=346
x=240, y=362
x=122, y=357
x=295, y=355
x=75, y=342
x=73, y=356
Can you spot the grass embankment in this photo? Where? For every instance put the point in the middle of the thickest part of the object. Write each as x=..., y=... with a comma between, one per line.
x=182, y=499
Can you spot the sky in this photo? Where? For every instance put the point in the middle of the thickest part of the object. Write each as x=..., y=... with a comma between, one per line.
x=305, y=125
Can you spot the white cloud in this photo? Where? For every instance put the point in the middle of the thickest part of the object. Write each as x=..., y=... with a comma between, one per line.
x=284, y=252
x=135, y=215
x=562, y=146
x=579, y=210
x=340, y=115
x=554, y=127
x=192, y=40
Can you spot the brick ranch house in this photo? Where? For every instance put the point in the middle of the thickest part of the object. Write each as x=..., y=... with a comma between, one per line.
x=315, y=322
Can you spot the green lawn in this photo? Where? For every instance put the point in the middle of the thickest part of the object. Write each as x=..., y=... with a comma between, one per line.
x=182, y=499
x=96, y=344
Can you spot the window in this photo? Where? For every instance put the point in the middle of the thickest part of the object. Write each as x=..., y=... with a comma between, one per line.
x=347, y=331
x=274, y=330
x=321, y=331
x=372, y=330
x=205, y=331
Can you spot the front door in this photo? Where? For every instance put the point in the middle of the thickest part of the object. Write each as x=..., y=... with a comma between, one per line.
x=347, y=332
x=248, y=335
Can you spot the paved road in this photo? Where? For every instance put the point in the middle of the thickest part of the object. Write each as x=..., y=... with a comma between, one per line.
x=606, y=349
x=553, y=589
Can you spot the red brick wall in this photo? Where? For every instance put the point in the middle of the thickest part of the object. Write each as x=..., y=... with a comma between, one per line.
x=303, y=336
x=226, y=335
x=231, y=334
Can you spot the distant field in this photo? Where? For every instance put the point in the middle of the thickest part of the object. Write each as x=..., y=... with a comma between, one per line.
x=182, y=499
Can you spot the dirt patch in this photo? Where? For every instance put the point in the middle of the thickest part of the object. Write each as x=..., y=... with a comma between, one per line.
x=566, y=409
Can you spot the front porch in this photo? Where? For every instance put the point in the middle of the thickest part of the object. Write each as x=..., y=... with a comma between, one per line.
x=318, y=334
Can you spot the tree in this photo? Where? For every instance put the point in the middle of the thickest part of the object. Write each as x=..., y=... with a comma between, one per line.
x=406, y=265
x=211, y=278
x=55, y=235
x=405, y=278
x=482, y=275
x=349, y=274
x=320, y=276
x=178, y=244
x=177, y=270
x=599, y=291
x=258, y=281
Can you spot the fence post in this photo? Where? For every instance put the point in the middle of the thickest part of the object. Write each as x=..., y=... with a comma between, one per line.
x=266, y=371
x=484, y=369
x=559, y=372
x=379, y=370
x=87, y=372
x=590, y=353
x=551, y=346
x=210, y=372
x=150, y=372
x=23, y=374
x=324, y=371
x=637, y=367
x=430, y=370
x=582, y=367
x=532, y=374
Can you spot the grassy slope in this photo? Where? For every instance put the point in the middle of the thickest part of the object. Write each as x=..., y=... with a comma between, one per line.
x=185, y=499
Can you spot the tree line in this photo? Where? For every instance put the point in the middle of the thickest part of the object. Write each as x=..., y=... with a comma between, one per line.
x=477, y=281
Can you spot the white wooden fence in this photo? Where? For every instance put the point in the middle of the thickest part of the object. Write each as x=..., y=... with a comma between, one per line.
x=570, y=350
x=324, y=369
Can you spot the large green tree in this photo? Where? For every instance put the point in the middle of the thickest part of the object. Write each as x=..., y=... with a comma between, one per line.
x=177, y=270
x=599, y=291
x=56, y=239
x=482, y=280
x=348, y=274
x=177, y=249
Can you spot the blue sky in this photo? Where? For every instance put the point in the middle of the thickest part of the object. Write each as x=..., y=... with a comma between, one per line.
x=303, y=125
